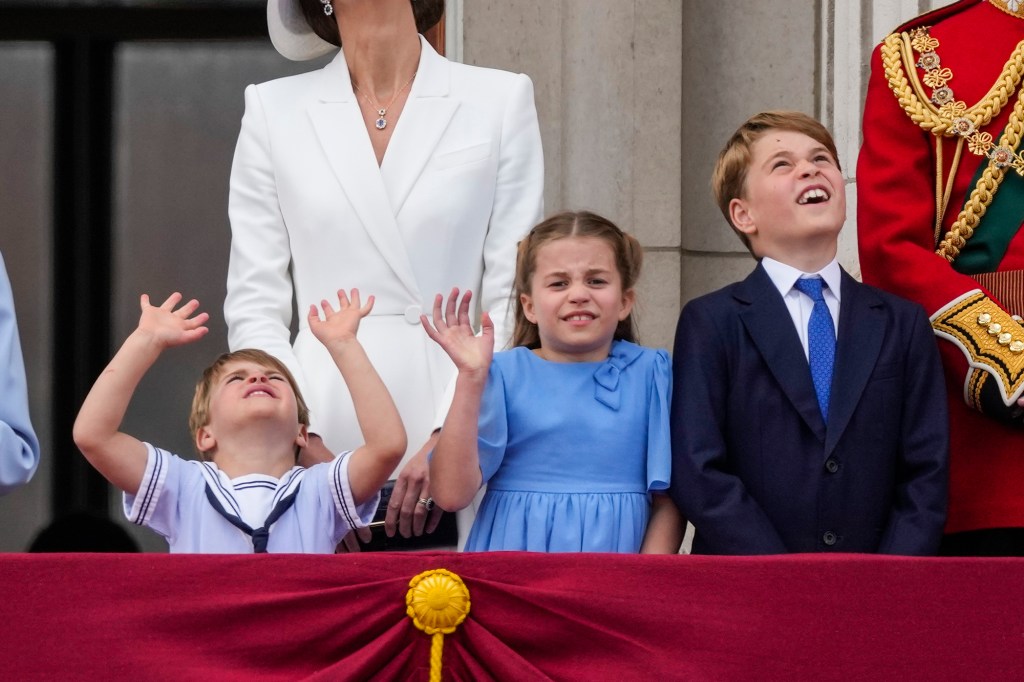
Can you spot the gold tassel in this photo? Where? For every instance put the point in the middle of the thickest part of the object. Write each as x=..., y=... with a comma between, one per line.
x=437, y=602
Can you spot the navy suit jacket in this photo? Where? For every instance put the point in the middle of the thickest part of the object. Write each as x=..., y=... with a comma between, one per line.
x=755, y=467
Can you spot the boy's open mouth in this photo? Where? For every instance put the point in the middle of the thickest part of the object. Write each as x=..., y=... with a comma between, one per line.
x=815, y=195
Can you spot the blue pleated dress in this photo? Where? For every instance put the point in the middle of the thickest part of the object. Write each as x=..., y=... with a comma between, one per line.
x=570, y=451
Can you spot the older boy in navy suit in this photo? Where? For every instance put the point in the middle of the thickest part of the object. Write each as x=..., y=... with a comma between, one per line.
x=808, y=410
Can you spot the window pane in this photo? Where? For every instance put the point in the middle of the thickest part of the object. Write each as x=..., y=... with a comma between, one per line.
x=178, y=110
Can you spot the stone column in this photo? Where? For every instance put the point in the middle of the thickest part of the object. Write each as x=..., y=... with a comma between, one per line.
x=608, y=82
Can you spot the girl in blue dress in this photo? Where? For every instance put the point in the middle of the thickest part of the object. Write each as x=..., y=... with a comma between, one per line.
x=569, y=429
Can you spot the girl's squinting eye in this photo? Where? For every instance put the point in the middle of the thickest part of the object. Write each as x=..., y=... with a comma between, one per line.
x=779, y=164
x=276, y=377
x=233, y=377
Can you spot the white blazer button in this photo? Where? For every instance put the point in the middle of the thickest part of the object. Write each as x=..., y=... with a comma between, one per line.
x=412, y=314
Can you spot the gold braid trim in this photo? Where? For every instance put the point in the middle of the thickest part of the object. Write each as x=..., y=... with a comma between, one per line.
x=921, y=110
x=953, y=118
x=1001, y=5
x=972, y=389
x=990, y=338
x=983, y=193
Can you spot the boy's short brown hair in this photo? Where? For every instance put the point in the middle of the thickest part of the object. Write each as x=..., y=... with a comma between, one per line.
x=200, y=415
x=729, y=178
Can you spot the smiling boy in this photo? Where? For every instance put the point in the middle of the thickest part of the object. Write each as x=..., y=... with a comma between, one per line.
x=808, y=412
x=248, y=423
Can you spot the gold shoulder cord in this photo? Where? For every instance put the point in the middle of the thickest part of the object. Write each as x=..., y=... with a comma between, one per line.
x=945, y=116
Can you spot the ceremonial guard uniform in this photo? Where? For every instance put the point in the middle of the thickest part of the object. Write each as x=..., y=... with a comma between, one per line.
x=940, y=183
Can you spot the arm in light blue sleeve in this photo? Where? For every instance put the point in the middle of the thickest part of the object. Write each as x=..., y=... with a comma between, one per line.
x=19, y=447
x=493, y=431
x=659, y=435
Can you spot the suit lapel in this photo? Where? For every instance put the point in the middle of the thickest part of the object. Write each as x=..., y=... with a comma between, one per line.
x=339, y=127
x=769, y=324
x=425, y=118
x=862, y=330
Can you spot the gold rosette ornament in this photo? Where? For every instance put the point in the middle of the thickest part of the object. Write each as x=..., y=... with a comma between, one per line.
x=437, y=602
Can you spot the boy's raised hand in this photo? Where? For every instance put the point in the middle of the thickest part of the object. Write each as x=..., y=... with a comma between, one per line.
x=169, y=327
x=454, y=333
x=341, y=324
x=121, y=458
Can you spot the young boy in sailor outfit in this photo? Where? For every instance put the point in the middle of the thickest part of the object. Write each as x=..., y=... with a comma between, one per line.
x=248, y=421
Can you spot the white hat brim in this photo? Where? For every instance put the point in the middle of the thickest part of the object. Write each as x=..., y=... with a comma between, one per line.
x=290, y=33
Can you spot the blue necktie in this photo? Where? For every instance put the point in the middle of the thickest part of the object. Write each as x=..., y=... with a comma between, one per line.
x=821, y=341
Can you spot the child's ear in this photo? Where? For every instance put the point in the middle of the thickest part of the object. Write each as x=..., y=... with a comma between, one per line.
x=741, y=218
x=302, y=439
x=628, y=301
x=205, y=440
x=526, y=301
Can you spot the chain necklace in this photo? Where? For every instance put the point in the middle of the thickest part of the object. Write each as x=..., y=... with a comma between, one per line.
x=382, y=122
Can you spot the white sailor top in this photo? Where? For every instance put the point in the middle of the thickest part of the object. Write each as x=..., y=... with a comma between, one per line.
x=177, y=499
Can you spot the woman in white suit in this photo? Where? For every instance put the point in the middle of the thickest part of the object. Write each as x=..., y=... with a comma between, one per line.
x=392, y=170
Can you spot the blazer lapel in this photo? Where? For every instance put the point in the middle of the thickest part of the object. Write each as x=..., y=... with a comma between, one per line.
x=862, y=327
x=769, y=324
x=425, y=118
x=339, y=126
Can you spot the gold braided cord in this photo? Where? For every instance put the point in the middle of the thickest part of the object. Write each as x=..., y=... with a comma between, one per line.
x=975, y=382
x=949, y=183
x=974, y=208
x=895, y=52
x=436, y=656
x=939, y=208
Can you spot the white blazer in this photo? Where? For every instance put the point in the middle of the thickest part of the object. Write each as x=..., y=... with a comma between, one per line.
x=311, y=213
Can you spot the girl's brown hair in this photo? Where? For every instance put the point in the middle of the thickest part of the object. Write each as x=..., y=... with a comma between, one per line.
x=629, y=257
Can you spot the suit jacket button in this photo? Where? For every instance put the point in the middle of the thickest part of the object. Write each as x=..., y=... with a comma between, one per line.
x=412, y=314
x=829, y=538
x=831, y=466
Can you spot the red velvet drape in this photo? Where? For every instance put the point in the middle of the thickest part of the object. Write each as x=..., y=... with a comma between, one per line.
x=533, y=616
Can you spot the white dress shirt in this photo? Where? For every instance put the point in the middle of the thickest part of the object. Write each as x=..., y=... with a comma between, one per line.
x=799, y=304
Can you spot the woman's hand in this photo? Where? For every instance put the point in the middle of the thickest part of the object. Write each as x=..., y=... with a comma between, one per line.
x=406, y=514
x=315, y=452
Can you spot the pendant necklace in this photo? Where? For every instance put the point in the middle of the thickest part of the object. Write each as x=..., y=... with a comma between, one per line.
x=382, y=122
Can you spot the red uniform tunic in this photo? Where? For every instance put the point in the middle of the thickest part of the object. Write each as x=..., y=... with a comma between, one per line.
x=971, y=53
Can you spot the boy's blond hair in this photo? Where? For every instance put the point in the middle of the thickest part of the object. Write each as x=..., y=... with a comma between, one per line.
x=200, y=415
x=728, y=180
